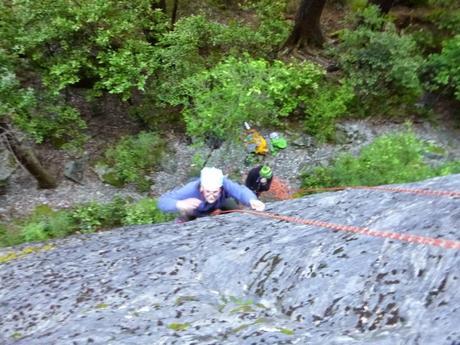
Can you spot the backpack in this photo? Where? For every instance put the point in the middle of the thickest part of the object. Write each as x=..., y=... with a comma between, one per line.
x=255, y=142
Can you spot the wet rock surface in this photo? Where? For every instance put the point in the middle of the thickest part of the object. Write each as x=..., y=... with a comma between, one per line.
x=243, y=279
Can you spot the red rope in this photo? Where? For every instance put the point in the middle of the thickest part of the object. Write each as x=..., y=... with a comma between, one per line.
x=390, y=189
x=437, y=242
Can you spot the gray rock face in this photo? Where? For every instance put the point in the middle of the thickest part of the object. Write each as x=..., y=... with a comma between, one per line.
x=243, y=279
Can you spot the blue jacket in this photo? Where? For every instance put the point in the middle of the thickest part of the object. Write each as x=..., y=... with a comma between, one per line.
x=167, y=202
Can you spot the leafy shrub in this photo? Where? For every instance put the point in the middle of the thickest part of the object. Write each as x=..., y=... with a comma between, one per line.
x=446, y=14
x=219, y=100
x=45, y=223
x=36, y=112
x=197, y=43
x=107, y=41
x=272, y=29
x=446, y=66
x=391, y=158
x=35, y=232
x=133, y=157
x=144, y=211
x=448, y=169
x=322, y=111
x=93, y=216
x=380, y=64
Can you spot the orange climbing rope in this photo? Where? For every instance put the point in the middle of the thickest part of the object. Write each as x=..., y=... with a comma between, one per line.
x=279, y=190
x=388, y=189
x=437, y=242
x=282, y=193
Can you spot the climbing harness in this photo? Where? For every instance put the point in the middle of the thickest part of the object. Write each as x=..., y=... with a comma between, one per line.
x=431, y=241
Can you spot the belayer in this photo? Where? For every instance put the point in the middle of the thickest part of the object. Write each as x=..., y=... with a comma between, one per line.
x=211, y=192
x=259, y=179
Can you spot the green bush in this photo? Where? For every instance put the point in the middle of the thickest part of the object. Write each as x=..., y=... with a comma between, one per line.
x=379, y=63
x=446, y=15
x=93, y=216
x=144, y=211
x=36, y=112
x=198, y=43
x=34, y=232
x=133, y=157
x=45, y=223
x=448, y=169
x=10, y=235
x=106, y=41
x=219, y=100
x=391, y=158
x=272, y=29
x=446, y=67
x=323, y=110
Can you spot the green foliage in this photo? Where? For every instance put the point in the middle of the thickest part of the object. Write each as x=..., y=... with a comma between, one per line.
x=379, y=63
x=197, y=43
x=133, y=157
x=219, y=100
x=182, y=52
x=35, y=232
x=93, y=216
x=145, y=211
x=323, y=110
x=272, y=29
x=448, y=169
x=391, y=158
x=45, y=223
x=13, y=98
x=357, y=5
x=446, y=15
x=103, y=40
x=9, y=235
x=446, y=66
x=36, y=112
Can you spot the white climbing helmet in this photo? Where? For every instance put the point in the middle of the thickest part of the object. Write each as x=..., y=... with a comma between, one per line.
x=211, y=178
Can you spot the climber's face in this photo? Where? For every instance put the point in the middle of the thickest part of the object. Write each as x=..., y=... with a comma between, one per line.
x=211, y=195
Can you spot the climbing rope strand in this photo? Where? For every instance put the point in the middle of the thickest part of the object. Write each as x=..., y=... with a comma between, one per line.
x=436, y=242
x=389, y=189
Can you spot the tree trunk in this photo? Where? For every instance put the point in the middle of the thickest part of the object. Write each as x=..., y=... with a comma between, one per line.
x=174, y=12
x=383, y=5
x=307, y=29
x=28, y=159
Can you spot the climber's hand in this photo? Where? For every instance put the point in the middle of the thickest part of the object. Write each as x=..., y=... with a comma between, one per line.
x=257, y=205
x=187, y=205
